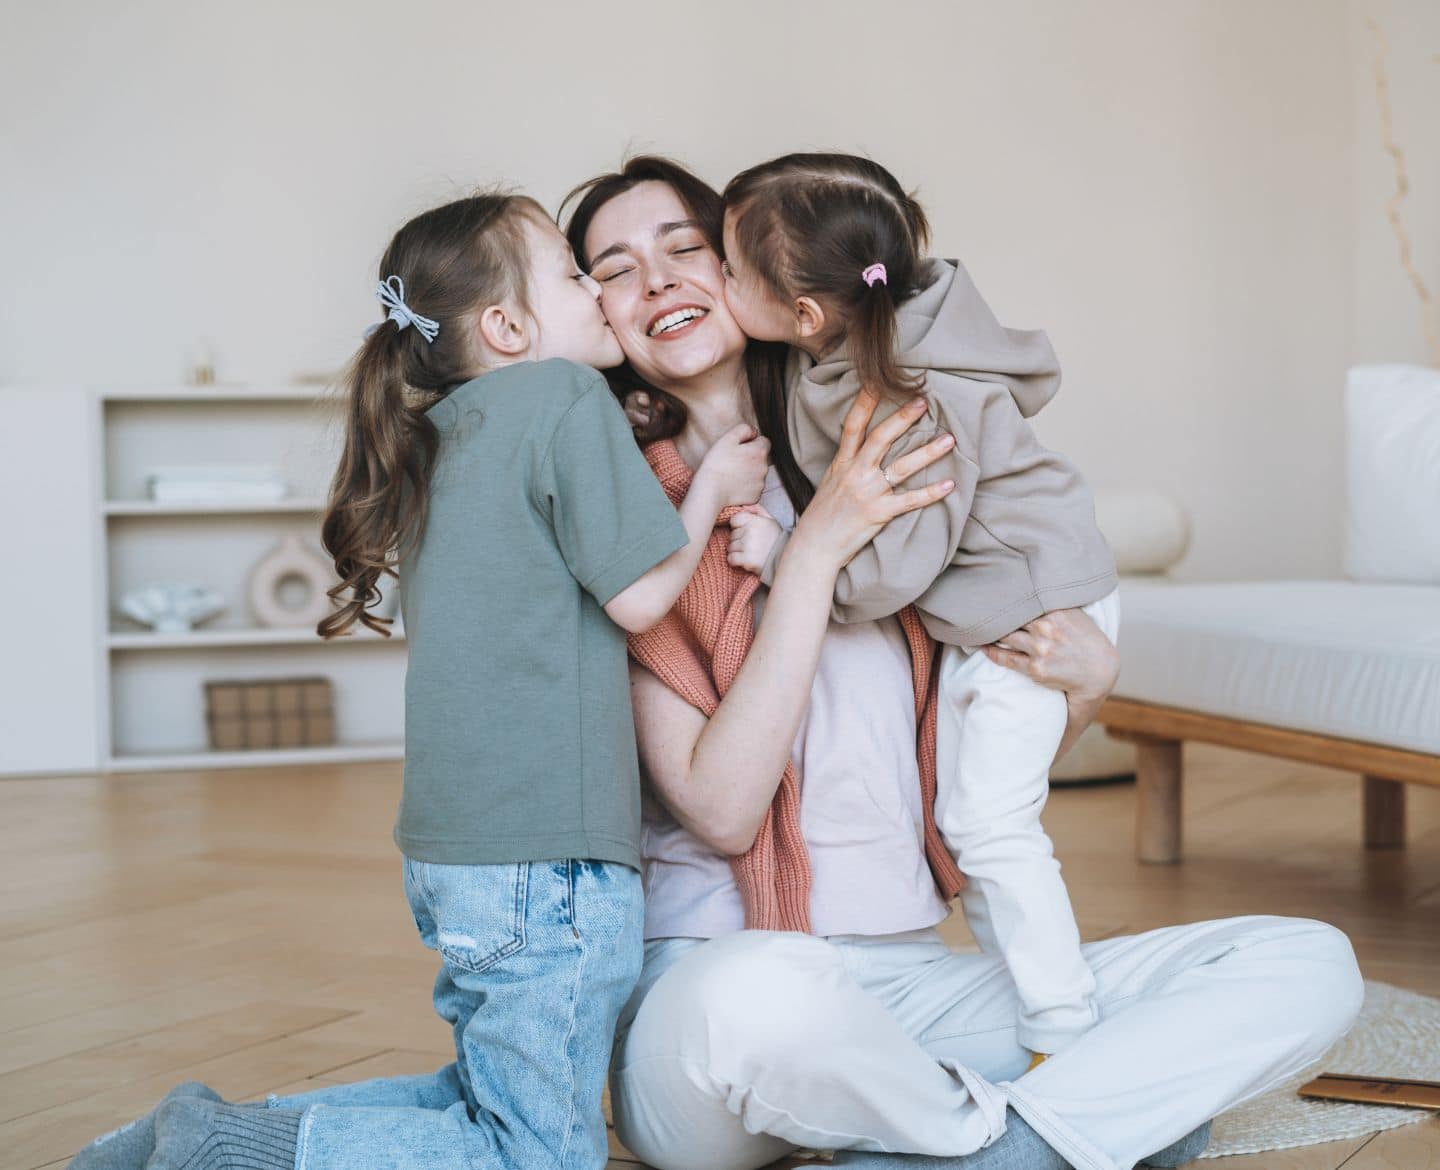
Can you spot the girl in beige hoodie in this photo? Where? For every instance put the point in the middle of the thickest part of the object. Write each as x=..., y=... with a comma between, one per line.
x=826, y=252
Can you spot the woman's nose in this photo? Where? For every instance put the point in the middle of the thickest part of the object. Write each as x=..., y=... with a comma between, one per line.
x=658, y=281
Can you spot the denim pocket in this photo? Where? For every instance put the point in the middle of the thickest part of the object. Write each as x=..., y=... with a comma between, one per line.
x=478, y=910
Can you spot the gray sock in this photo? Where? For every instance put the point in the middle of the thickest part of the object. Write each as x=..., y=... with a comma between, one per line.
x=129, y=1147
x=205, y=1135
x=1187, y=1149
x=1018, y=1148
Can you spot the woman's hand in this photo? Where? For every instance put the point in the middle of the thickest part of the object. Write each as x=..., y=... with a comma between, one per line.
x=855, y=499
x=1064, y=651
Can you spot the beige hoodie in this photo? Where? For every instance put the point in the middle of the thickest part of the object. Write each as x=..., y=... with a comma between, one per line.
x=1017, y=536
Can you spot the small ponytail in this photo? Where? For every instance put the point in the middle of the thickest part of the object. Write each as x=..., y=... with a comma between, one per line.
x=449, y=262
x=871, y=334
x=378, y=498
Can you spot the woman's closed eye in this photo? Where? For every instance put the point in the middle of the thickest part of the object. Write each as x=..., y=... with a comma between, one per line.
x=609, y=276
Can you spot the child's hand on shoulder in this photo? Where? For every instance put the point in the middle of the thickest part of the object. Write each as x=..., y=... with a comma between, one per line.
x=734, y=468
x=753, y=533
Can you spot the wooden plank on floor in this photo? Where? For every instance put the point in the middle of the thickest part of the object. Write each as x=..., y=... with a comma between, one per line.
x=57, y=1132
x=394, y=1062
x=131, y=930
x=130, y=864
x=163, y=1051
x=408, y=1022
x=293, y=1089
x=57, y=994
x=1412, y=1147
x=137, y=889
x=51, y=1039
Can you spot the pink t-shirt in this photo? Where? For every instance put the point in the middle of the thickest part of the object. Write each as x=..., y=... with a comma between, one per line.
x=860, y=800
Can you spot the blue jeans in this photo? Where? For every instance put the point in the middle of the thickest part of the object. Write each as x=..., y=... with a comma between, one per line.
x=538, y=958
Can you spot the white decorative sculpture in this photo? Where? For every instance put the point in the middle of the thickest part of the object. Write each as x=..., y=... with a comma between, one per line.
x=293, y=561
x=171, y=608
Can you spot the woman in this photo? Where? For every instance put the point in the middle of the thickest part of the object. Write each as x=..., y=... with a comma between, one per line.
x=867, y=1034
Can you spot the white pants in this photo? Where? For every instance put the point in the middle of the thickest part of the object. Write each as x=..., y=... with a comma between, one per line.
x=997, y=738
x=736, y=1050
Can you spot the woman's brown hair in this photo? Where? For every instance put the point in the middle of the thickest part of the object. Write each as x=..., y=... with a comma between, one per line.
x=453, y=261
x=764, y=360
x=812, y=224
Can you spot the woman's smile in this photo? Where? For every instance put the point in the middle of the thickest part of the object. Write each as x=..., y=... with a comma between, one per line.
x=674, y=322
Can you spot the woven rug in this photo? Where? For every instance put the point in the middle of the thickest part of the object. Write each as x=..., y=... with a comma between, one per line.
x=1397, y=1035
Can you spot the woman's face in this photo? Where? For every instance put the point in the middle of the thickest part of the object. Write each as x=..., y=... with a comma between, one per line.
x=660, y=286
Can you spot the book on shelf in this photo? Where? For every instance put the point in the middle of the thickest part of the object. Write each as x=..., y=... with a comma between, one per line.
x=217, y=485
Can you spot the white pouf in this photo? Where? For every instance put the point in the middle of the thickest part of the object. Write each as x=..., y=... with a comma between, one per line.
x=1149, y=533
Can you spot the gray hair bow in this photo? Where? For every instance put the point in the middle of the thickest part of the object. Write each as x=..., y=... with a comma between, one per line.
x=391, y=292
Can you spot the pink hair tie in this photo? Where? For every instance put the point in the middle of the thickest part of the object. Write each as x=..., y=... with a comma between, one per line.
x=873, y=273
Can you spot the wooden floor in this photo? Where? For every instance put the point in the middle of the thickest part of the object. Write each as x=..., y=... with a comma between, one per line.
x=247, y=929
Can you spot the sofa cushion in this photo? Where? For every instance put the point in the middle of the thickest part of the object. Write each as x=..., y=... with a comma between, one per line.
x=1392, y=464
x=1349, y=659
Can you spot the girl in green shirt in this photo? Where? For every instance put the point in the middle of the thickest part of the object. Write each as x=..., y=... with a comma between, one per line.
x=486, y=459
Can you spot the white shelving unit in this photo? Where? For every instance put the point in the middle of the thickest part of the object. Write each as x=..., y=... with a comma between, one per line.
x=259, y=758
x=152, y=508
x=152, y=685
x=210, y=639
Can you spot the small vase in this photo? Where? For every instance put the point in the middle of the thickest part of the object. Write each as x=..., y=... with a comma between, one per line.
x=292, y=561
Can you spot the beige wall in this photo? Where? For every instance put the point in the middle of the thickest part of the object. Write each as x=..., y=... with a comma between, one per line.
x=1170, y=188
x=1386, y=312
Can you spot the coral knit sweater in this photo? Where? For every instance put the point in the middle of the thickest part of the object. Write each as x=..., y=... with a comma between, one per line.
x=696, y=651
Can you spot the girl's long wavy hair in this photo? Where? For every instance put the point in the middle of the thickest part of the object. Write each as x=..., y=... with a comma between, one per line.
x=454, y=262
x=811, y=224
x=764, y=360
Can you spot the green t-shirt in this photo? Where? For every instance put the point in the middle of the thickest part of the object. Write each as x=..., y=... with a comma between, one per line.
x=519, y=738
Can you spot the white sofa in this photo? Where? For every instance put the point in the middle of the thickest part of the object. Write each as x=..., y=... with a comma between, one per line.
x=1344, y=673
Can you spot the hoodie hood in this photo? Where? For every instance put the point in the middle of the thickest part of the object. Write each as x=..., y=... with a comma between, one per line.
x=947, y=325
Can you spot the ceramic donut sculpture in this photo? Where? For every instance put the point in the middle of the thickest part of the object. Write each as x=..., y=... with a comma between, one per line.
x=292, y=560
